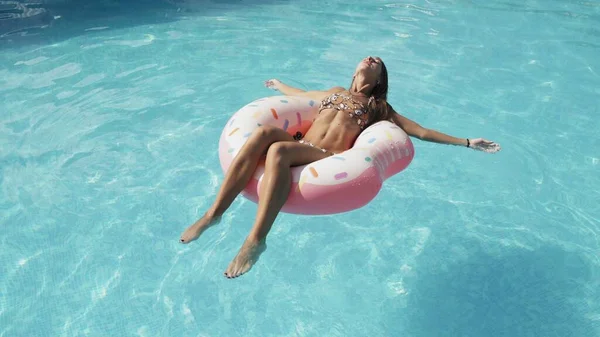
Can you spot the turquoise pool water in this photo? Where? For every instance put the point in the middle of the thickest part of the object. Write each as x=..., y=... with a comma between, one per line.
x=109, y=124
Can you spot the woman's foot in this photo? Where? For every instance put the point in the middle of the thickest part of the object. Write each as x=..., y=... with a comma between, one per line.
x=246, y=257
x=194, y=231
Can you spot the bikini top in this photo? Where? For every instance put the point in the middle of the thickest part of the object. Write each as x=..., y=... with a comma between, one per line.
x=343, y=102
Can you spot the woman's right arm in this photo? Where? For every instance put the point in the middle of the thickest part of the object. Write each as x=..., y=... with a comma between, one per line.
x=285, y=89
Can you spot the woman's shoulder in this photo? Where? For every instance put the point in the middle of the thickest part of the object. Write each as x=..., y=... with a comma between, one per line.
x=336, y=90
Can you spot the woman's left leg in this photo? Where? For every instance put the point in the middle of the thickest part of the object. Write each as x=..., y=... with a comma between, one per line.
x=275, y=188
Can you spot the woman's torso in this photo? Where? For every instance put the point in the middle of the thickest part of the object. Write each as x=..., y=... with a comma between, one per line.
x=340, y=119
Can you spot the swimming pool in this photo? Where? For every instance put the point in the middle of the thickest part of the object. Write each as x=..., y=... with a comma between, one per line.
x=109, y=123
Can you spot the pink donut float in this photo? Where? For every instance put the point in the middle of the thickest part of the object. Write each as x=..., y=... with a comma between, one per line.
x=336, y=184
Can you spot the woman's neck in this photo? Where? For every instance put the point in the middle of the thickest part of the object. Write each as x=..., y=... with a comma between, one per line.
x=361, y=87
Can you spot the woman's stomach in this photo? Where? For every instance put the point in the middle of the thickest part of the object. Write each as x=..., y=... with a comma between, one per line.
x=332, y=130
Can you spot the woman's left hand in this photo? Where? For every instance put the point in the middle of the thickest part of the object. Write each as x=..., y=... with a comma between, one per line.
x=484, y=145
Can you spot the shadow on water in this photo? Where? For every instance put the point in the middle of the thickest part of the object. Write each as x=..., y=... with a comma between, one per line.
x=523, y=293
x=24, y=22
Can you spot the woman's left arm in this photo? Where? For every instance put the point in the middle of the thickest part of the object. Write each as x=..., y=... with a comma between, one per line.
x=415, y=130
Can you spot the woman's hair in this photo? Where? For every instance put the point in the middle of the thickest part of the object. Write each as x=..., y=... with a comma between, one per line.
x=378, y=106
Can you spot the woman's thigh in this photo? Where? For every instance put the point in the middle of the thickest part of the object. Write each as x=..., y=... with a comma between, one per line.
x=295, y=154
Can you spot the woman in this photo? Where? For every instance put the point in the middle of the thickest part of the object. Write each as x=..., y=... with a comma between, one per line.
x=342, y=116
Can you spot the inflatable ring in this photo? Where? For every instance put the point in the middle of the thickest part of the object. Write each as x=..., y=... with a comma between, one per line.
x=336, y=184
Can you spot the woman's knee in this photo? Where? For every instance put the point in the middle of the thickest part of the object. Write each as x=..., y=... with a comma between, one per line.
x=259, y=140
x=264, y=133
x=277, y=154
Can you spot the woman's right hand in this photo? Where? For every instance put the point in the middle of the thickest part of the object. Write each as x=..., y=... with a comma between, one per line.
x=273, y=84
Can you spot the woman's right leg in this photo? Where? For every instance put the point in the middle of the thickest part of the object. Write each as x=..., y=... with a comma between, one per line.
x=237, y=177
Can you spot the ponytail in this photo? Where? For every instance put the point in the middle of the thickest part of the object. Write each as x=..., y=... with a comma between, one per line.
x=378, y=109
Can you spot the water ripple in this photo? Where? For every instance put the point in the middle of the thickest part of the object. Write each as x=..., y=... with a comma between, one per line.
x=108, y=143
